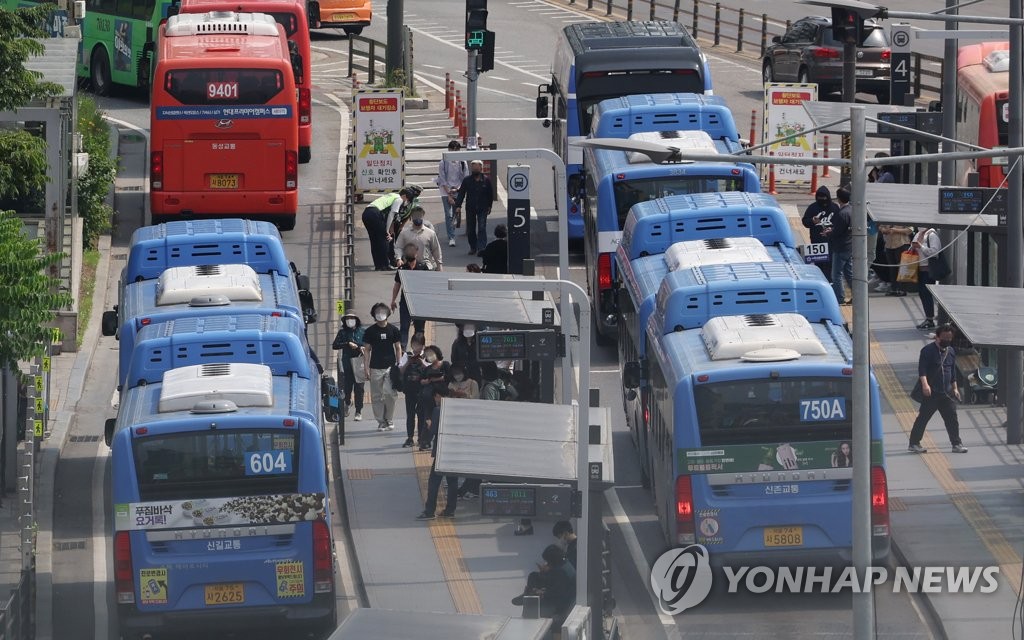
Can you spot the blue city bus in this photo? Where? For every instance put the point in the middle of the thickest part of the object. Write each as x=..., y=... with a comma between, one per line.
x=750, y=446
x=595, y=61
x=625, y=116
x=199, y=291
x=221, y=504
x=619, y=180
x=185, y=243
x=653, y=226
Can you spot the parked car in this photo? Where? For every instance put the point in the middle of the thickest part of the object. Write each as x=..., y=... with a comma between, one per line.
x=350, y=15
x=809, y=52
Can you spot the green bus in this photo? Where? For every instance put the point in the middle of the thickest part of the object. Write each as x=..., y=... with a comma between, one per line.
x=118, y=40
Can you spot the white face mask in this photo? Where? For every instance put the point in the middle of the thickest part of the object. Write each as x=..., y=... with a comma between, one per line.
x=469, y=333
x=431, y=358
x=459, y=377
x=350, y=323
x=381, y=317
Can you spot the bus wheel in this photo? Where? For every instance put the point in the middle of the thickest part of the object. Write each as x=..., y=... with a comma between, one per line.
x=287, y=223
x=99, y=72
x=305, y=155
x=353, y=31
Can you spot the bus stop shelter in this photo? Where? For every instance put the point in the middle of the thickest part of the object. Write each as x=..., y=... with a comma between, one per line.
x=385, y=624
x=988, y=316
x=916, y=205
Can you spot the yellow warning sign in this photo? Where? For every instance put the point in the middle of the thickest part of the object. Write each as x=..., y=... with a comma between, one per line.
x=39, y=383
x=56, y=336
x=340, y=306
x=37, y=428
x=46, y=364
x=40, y=406
x=291, y=582
x=153, y=585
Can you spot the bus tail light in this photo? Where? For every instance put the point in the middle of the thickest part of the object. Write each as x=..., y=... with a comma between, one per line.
x=604, y=271
x=305, y=106
x=879, y=502
x=323, y=558
x=291, y=170
x=123, y=584
x=685, y=533
x=156, y=170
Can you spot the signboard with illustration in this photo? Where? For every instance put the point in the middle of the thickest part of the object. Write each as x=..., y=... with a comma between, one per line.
x=378, y=139
x=786, y=118
x=782, y=456
x=219, y=512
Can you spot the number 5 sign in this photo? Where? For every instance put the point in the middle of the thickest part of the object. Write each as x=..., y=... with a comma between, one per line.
x=518, y=181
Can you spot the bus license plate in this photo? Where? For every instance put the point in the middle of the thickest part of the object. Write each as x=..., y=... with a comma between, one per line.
x=344, y=16
x=224, y=181
x=865, y=73
x=783, y=536
x=229, y=593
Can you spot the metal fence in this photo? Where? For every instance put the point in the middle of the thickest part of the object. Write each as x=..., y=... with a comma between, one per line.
x=370, y=57
x=747, y=32
x=17, y=620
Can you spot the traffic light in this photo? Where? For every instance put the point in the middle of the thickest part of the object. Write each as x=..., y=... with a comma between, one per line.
x=476, y=23
x=485, y=61
x=847, y=25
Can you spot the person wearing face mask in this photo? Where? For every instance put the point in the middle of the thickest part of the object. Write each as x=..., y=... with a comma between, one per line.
x=464, y=351
x=434, y=375
x=378, y=218
x=381, y=351
x=462, y=386
x=817, y=217
x=937, y=377
x=410, y=262
x=412, y=365
x=421, y=233
x=450, y=174
x=349, y=343
x=477, y=192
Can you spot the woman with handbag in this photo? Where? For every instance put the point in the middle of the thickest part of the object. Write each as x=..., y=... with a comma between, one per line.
x=931, y=269
x=897, y=240
x=352, y=374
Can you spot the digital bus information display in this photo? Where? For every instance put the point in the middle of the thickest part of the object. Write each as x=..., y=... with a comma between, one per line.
x=496, y=500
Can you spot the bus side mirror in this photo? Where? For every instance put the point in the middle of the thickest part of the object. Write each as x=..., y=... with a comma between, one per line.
x=301, y=282
x=109, y=322
x=631, y=375
x=308, y=307
x=108, y=430
x=542, y=106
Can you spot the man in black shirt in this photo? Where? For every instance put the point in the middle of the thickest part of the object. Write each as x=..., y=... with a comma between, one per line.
x=840, y=245
x=410, y=262
x=382, y=351
x=818, y=217
x=478, y=193
x=939, y=388
x=495, y=254
x=434, y=482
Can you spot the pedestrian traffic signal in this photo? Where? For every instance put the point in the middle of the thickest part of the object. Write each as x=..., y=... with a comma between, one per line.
x=847, y=25
x=476, y=23
x=485, y=61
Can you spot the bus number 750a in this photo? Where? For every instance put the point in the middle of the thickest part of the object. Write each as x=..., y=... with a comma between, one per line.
x=820, y=409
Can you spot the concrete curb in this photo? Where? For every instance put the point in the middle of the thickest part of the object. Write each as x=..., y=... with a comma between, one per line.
x=935, y=625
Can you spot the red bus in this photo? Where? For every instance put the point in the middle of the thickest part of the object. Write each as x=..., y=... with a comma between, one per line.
x=982, y=108
x=223, y=122
x=290, y=14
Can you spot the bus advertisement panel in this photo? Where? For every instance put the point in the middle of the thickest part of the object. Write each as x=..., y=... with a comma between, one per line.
x=290, y=14
x=753, y=420
x=224, y=127
x=221, y=504
x=596, y=61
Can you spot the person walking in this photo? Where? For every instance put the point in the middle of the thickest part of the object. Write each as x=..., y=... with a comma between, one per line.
x=349, y=343
x=477, y=192
x=897, y=240
x=434, y=482
x=450, y=174
x=818, y=217
x=378, y=218
x=840, y=245
x=381, y=351
x=928, y=245
x=410, y=262
x=937, y=377
x=421, y=234
x=412, y=367
x=495, y=255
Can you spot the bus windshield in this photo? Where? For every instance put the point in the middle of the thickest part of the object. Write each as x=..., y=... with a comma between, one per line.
x=224, y=86
x=630, y=192
x=212, y=464
x=774, y=410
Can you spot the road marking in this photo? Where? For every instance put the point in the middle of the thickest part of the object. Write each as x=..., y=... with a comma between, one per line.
x=479, y=88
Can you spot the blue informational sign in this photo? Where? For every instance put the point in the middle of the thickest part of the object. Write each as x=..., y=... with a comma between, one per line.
x=215, y=112
x=265, y=463
x=823, y=409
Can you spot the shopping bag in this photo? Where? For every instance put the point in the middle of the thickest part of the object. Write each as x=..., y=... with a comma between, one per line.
x=908, y=267
x=358, y=370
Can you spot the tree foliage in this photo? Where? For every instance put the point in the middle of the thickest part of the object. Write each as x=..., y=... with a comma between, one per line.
x=18, y=85
x=28, y=297
x=95, y=184
x=22, y=171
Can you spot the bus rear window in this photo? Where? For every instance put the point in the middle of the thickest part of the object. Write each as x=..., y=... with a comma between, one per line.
x=774, y=410
x=223, y=86
x=630, y=192
x=217, y=464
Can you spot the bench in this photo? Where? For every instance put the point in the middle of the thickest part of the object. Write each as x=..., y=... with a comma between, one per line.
x=967, y=364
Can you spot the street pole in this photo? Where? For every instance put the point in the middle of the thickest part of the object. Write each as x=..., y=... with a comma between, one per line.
x=567, y=291
x=395, y=49
x=947, y=168
x=471, y=78
x=849, y=96
x=863, y=603
x=1014, y=229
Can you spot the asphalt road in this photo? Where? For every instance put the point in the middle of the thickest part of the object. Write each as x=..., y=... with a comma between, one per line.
x=526, y=34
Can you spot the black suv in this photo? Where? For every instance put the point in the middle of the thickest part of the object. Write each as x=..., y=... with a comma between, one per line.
x=808, y=52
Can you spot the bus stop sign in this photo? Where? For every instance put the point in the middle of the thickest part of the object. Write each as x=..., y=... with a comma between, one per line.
x=899, y=75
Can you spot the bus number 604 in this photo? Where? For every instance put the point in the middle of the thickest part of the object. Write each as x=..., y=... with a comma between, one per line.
x=267, y=462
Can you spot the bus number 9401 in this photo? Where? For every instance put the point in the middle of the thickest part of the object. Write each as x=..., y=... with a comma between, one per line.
x=222, y=90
